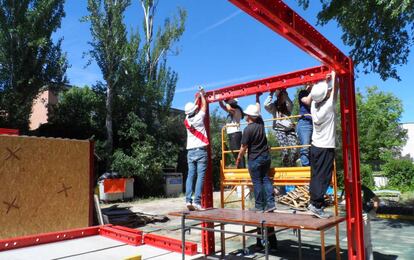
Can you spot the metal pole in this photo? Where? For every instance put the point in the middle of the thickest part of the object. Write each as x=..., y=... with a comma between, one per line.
x=300, y=243
x=207, y=197
x=183, y=236
x=266, y=241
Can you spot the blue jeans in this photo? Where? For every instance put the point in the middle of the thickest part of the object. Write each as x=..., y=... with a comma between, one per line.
x=197, y=165
x=304, y=130
x=262, y=186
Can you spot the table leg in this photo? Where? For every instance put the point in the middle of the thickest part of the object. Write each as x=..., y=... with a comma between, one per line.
x=266, y=241
x=338, y=248
x=300, y=243
x=222, y=241
x=323, y=254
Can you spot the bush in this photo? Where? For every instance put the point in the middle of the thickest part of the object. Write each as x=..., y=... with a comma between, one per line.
x=144, y=159
x=400, y=173
x=367, y=176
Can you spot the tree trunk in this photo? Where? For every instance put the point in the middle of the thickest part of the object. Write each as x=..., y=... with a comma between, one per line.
x=108, y=122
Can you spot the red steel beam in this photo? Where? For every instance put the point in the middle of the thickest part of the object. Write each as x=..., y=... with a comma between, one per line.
x=283, y=20
x=127, y=235
x=297, y=78
x=7, y=131
x=352, y=178
x=32, y=240
x=171, y=244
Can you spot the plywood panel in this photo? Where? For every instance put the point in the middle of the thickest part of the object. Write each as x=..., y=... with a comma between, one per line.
x=44, y=185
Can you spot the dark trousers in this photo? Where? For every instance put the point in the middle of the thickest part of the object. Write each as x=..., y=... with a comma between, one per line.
x=262, y=185
x=321, y=161
x=234, y=144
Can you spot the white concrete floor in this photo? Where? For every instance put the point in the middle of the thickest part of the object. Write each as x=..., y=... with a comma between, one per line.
x=89, y=248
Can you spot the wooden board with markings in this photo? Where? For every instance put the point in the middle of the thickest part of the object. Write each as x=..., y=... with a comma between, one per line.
x=45, y=185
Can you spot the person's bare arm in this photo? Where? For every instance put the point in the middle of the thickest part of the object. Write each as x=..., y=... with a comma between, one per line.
x=224, y=107
x=203, y=101
x=258, y=102
x=307, y=100
x=289, y=103
x=242, y=151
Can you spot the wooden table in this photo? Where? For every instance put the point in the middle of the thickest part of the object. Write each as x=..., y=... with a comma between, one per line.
x=262, y=221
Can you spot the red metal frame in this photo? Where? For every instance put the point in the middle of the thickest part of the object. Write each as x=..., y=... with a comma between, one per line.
x=7, y=131
x=171, y=244
x=283, y=20
x=296, y=78
x=14, y=243
x=131, y=237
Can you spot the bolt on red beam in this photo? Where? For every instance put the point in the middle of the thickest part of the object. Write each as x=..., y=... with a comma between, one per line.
x=33, y=240
x=283, y=20
x=170, y=244
x=301, y=77
x=128, y=236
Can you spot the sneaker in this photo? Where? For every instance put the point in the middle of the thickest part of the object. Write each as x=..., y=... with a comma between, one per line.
x=271, y=209
x=320, y=213
x=198, y=207
x=255, y=210
x=190, y=206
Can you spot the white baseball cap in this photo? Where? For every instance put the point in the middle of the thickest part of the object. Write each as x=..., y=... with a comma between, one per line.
x=252, y=110
x=320, y=90
x=189, y=108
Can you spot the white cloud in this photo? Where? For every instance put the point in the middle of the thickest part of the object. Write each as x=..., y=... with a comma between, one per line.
x=222, y=83
x=217, y=24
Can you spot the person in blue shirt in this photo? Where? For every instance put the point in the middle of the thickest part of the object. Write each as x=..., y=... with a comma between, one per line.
x=304, y=126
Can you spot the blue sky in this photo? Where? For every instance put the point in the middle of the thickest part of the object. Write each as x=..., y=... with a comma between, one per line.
x=222, y=46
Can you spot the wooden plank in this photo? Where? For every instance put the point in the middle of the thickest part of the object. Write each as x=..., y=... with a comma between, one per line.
x=297, y=221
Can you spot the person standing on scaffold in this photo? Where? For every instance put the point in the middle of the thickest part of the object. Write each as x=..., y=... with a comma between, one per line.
x=284, y=128
x=234, y=134
x=322, y=153
x=255, y=142
x=197, y=156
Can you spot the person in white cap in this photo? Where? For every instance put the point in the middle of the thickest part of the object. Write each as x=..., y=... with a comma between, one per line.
x=322, y=153
x=234, y=133
x=197, y=142
x=255, y=142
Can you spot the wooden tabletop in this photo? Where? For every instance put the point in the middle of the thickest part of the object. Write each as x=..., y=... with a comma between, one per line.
x=246, y=217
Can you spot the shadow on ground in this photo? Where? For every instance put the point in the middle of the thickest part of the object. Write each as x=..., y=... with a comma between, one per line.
x=288, y=250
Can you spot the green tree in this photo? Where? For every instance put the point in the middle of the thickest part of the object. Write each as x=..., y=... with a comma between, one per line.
x=110, y=50
x=400, y=173
x=29, y=59
x=160, y=80
x=75, y=115
x=380, y=32
x=381, y=136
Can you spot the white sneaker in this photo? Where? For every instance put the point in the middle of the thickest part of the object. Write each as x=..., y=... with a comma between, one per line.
x=190, y=206
x=198, y=207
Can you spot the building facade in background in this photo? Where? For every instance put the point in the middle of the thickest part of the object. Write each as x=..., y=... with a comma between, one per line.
x=408, y=149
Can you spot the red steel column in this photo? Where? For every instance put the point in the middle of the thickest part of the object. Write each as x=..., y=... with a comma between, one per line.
x=352, y=179
x=207, y=237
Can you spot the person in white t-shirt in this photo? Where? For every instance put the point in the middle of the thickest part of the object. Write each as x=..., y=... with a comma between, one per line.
x=197, y=142
x=322, y=153
x=234, y=133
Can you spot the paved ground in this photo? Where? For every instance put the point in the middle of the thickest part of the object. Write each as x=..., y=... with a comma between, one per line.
x=392, y=239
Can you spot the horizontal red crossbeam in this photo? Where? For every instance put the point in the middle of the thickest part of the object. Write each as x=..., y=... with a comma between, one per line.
x=170, y=244
x=129, y=236
x=279, y=17
x=297, y=78
x=13, y=243
x=6, y=131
